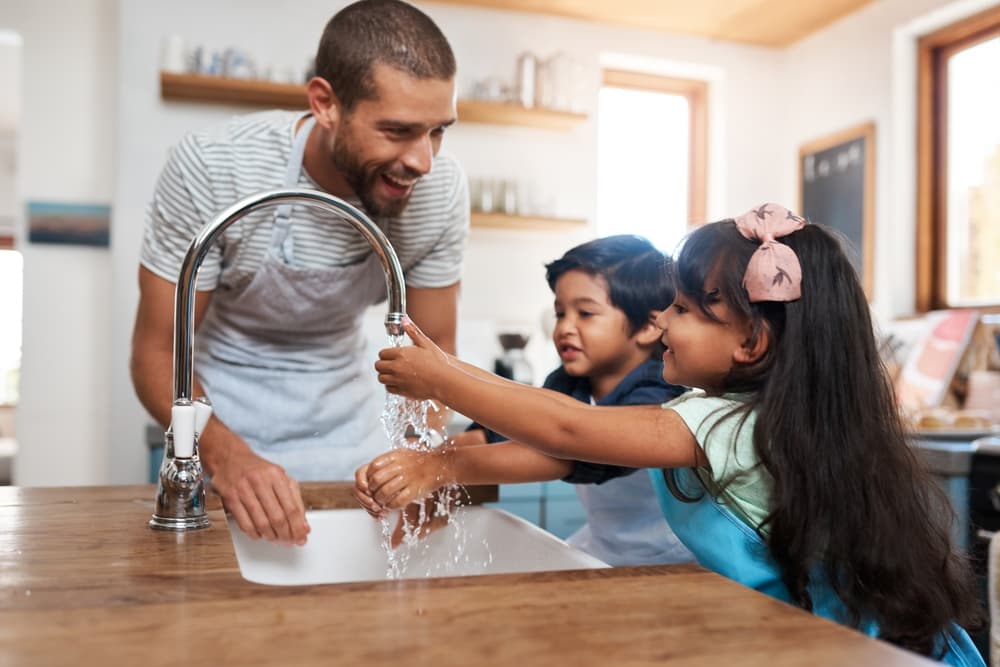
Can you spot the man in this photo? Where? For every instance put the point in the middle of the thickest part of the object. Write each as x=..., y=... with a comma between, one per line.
x=279, y=349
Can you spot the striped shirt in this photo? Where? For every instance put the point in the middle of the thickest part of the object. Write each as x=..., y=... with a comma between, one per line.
x=212, y=169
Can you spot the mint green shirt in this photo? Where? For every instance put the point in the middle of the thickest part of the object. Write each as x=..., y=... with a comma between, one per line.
x=734, y=475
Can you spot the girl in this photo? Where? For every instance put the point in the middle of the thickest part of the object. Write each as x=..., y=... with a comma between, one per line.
x=803, y=485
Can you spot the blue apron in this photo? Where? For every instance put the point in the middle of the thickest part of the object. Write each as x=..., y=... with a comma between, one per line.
x=723, y=543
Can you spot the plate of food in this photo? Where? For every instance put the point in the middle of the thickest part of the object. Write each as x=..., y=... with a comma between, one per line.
x=945, y=424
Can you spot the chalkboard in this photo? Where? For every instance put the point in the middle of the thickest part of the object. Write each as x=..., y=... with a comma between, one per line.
x=836, y=189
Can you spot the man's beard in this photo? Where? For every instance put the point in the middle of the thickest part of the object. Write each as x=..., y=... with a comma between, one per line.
x=363, y=183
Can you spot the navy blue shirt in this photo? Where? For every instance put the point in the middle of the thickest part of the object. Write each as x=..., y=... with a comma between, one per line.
x=643, y=386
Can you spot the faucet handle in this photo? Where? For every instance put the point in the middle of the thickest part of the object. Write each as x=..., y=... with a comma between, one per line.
x=202, y=412
x=182, y=418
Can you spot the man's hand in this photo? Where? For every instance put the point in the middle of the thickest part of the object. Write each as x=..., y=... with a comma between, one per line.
x=261, y=497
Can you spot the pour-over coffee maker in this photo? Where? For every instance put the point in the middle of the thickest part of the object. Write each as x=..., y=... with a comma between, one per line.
x=513, y=363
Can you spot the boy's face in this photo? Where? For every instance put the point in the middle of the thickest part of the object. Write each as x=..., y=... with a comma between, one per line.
x=591, y=336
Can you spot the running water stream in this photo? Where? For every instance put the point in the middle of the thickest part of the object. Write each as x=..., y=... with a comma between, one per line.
x=405, y=424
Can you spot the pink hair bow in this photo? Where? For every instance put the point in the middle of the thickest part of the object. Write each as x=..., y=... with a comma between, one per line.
x=774, y=272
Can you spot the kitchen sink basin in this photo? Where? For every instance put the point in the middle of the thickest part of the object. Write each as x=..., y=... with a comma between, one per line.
x=346, y=545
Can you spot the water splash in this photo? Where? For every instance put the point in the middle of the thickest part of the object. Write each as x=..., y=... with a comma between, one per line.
x=405, y=424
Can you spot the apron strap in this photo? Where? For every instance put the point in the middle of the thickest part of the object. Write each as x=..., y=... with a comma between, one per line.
x=280, y=241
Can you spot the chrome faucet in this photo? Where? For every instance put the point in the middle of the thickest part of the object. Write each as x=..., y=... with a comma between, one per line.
x=180, y=496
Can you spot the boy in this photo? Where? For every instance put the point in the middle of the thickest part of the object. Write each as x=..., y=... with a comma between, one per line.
x=607, y=292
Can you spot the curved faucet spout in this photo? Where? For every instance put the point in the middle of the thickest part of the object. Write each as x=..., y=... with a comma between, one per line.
x=184, y=305
x=180, y=496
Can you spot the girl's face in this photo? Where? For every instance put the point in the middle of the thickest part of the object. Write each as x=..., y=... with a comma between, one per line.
x=591, y=336
x=700, y=351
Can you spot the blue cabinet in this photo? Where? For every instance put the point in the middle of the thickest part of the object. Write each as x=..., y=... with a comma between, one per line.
x=552, y=506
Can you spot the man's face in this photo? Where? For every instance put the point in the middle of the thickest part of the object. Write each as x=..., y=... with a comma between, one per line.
x=384, y=145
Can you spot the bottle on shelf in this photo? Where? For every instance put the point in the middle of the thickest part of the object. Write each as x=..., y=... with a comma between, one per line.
x=527, y=65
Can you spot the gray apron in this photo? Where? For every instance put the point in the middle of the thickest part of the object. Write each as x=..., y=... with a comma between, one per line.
x=283, y=358
x=625, y=525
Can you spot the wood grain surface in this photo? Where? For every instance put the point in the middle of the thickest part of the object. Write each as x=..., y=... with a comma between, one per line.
x=84, y=581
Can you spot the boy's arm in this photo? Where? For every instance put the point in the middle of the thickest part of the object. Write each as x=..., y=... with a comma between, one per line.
x=504, y=463
x=397, y=478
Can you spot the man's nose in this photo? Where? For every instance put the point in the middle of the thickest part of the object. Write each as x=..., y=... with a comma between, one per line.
x=419, y=155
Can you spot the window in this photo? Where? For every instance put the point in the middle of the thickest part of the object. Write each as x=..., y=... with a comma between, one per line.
x=10, y=261
x=958, y=187
x=651, y=154
x=10, y=324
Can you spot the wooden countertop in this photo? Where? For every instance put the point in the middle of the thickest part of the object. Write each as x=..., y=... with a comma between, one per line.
x=83, y=580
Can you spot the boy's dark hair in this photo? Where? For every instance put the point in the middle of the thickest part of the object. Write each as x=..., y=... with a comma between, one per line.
x=636, y=273
x=388, y=32
x=850, y=501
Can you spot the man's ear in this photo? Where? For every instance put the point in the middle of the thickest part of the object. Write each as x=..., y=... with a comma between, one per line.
x=753, y=349
x=323, y=103
x=649, y=333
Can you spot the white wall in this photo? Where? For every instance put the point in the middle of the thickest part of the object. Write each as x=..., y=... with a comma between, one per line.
x=859, y=69
x=65, y=153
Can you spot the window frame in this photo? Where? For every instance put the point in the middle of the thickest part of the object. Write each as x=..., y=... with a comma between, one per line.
x=933, y=52
x=696, y=93
x=8, y=242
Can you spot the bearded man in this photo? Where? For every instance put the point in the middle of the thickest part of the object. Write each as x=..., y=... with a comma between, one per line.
x=279, y=346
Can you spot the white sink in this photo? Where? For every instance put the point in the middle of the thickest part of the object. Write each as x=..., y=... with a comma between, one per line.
x=346, y=545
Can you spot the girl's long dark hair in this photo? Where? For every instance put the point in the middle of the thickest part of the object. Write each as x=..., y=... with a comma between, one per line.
x=850, y=499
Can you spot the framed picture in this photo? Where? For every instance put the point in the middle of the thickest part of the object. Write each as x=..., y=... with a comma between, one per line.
x=837, y=189
x=926, y=376
x=75, y=224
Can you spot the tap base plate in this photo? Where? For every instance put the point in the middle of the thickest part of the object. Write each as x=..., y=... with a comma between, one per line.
x=177, y=525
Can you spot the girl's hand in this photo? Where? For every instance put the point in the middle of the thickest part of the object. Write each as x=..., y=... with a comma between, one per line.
x=402, y=476
x=363, y=495
x=410, y=370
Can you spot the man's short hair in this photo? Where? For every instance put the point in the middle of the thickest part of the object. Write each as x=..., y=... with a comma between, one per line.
x=388, y=32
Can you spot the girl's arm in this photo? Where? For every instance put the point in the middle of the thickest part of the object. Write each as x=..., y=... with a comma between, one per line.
x=557, y=425
x=485, y=376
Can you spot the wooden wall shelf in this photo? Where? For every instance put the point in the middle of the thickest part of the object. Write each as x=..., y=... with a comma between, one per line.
x=197, y=88
x=498, y=113
x=532, y=222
